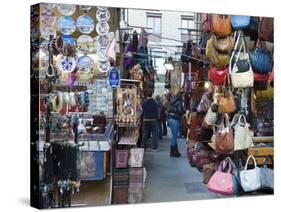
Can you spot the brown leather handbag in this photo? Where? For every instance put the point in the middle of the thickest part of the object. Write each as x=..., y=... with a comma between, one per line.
x=223, y=137
x=217, y=59
x=221, y=25
x=227, y=101
x=223, y=45
x=266, y=30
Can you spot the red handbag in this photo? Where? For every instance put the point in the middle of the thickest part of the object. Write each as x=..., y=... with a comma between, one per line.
x=258, y=77
x=217, y=75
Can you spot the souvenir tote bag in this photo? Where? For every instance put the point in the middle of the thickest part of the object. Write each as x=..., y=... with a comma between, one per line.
x=250, y=179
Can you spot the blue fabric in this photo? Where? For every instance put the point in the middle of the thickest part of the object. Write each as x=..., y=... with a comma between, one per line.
x=174, y=124
x=261, y=60
x=240, y=22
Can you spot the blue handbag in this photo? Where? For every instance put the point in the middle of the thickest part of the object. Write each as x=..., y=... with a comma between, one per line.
x=240, y=22
x=261, y=60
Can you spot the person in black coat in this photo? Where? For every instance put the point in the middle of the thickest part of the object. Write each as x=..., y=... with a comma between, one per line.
x=175, y=112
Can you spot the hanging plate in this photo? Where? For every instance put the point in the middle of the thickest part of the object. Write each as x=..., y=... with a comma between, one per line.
x=102, y=41
x=85, y=44
x=85, y=64
x=66, y=25
x=102, y=16
x=66, y=9
x=85, y=24
x=85, y=8
x=66, y=64
x=104, y=66
x=102, y=28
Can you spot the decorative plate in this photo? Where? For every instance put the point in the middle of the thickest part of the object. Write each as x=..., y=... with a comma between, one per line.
x=48, y=18
x=85, y=8
x=102, y=41
x=85, y=64
x=102, y=28
x=48, y=6
x=85, y=44
x=104, y=66
x=102, y=55
x=66, y=25
x=102, y=8
x=66, y=64
x=47, y=31
x=66, y=9
x=102, y=15
x=85, y=24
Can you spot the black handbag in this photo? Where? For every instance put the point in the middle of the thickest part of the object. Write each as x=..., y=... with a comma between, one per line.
x=252, y=30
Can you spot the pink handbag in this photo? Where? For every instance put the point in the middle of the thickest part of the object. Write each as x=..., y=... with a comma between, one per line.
x=222, y=182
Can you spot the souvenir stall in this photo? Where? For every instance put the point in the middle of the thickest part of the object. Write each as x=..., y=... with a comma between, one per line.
x=230, y=137
x=73, y=49
x=129, y=173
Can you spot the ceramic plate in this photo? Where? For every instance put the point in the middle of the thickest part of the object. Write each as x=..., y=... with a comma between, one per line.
x=48, y=18
x=102, y=55
x=85, y=8
x=102, y=28
x=85, y=64
x=102, y=15
x=66, y=25
x=66, y=64
x=47, y=31
x=102, y=41
x=102, y=8
x=85, y=24
x=66, y=9
x=85, y=44
x=48, y=6
x=104, y=66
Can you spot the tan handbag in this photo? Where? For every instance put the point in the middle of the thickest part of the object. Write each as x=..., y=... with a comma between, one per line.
x=223, y=138
x=217, y=59
x=226, y=101
x=221, y=25
x=223, y=45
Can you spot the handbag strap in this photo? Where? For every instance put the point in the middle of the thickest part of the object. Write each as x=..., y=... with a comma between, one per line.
x=244, y=118
x=228, y=162
x=255, y=163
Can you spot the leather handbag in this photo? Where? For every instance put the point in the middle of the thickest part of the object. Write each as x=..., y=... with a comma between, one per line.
x=204, y=104
x=250, y=179
x=211, y=117
x=242, y=75
x=261, y=60
x=267, y=175
x=266, y=31
x=217, y=59
x=217, y=75
x=221, y=25
x=222, y=182
x=252, y=29
x=227, y=101
x=223, y=45
x=242, y=134
x=223, y=137
x=260, y=81
x=206, y=22
x=240, y=22
x=267, y=93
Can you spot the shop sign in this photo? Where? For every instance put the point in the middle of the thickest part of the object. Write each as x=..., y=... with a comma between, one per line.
x=114, y=78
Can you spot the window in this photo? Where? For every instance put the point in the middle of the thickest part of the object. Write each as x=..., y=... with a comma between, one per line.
x=154, y=22
x=186, y=23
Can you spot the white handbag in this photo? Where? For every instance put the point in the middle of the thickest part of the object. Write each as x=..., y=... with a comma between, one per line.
x=250, y=179
x=242, y=134
x=243, y=79
x=210, y=117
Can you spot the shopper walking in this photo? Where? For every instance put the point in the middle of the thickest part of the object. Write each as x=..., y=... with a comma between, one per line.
x=160, y=110
x=150, y=111
x=175, y=111
x=165, y=104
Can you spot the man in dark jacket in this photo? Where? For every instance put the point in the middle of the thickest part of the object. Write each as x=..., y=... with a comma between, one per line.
x=175, y=111
x=150, y=116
